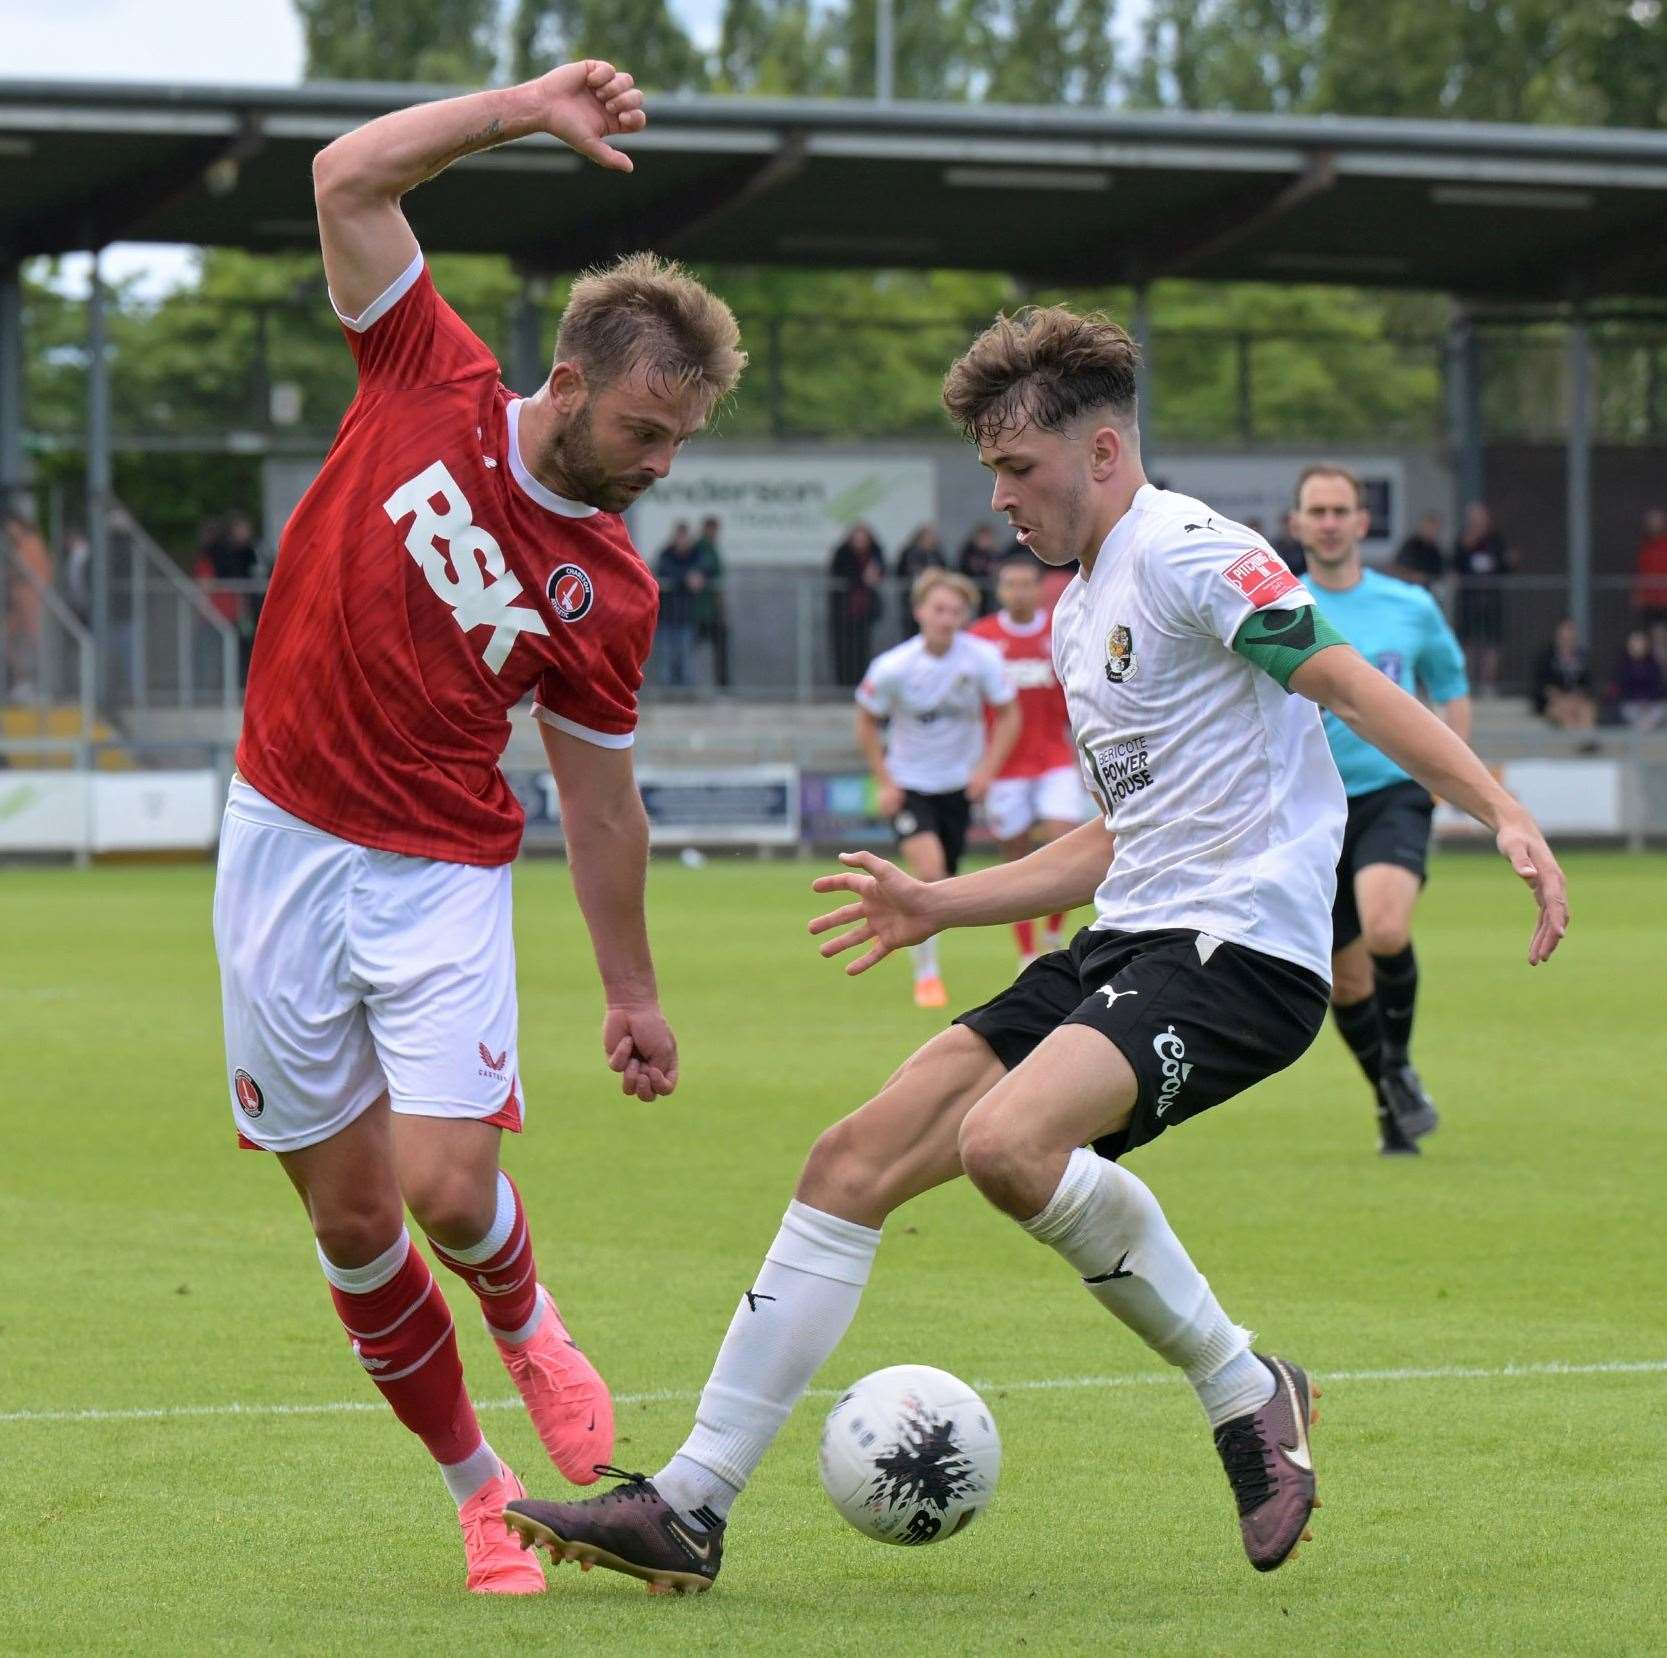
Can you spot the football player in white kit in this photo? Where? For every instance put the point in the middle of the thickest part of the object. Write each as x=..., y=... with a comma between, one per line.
x=935, y=761
x=1180, y=645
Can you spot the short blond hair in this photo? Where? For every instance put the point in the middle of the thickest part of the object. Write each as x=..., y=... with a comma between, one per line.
x=1330, y=469
x=1044, y=366
x=930, y=580
x=648, y=311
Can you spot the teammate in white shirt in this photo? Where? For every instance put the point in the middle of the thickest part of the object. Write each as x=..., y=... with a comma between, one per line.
x=1204, y=971
x=935, y=759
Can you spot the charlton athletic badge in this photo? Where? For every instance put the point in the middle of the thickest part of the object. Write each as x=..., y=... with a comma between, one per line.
x=248, y=1093
x=1120, y=657
x=570, y=592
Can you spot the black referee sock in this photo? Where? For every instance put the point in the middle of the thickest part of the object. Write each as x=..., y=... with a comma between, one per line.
x=1396, y=978
x=1362, y=1029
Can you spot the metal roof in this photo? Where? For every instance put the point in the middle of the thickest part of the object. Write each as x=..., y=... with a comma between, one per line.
x=1068, y=197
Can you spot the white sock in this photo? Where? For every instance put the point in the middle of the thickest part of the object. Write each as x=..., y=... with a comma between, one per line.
x=787, y=1324
x=463, y=1479
x=925, y=958
x=1107, y=1224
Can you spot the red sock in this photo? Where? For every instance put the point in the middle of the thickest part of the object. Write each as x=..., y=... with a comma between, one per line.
x=1056, y=923
x=1025, y=933
x=500, y=1268
x=401, y=1331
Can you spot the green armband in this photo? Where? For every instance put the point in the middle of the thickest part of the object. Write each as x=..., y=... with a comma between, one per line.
x=1280, y=641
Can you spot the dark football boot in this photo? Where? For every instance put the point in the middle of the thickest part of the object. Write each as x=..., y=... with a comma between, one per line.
x=1269, y=1467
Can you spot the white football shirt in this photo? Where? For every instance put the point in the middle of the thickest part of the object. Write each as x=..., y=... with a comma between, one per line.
x=1218, y=784
x=936, y=708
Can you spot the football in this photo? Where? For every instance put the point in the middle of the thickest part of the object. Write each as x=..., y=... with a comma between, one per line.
x=910, y=1455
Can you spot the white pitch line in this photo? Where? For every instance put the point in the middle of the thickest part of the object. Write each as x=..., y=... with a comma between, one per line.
x=1048, y=1384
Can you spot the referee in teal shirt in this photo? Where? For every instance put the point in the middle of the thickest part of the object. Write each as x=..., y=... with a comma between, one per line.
x=1399, y=628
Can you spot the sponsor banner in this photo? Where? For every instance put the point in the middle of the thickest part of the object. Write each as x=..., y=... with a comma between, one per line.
x=841, y=808
x=786, y=508
x=139, y=811
x=1566, y=796
x=732, y=806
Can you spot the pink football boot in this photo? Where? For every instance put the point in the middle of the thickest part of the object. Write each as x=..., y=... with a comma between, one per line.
x=569, y=1403
x=497, y=1565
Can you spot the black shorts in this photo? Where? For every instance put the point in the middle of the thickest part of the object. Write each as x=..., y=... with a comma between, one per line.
x=1387, y=826
x=943, y=815
x=1198, y=1020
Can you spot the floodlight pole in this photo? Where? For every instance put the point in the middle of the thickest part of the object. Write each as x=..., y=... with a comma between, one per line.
x=885, y=67
x=1579, y=473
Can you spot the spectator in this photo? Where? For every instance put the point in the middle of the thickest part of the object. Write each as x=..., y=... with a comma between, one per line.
x=1480, y=559
x=711, y=620
x=923, y=551
x=978, y=561
x=29, y=576
x=1563, y=693
x=678, y=570
x=235, y=556
x=1649, y=593
x=1640, y=689
x=856, y=570
x=1288, y=544
x=1419, y=559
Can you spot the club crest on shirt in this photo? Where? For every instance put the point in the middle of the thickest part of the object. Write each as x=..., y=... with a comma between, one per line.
x=1120, y=657
x=571, y=592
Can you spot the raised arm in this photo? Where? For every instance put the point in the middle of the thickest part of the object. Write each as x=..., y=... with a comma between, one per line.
x=606, y=831
x=891, y=909
x=1378, y=710
x=359, y=179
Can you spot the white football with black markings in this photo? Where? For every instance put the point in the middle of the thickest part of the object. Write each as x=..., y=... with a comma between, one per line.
x=910, y=1455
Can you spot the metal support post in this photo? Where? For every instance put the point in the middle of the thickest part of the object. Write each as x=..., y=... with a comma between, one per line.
x=1579, y=474
x=885, y=52
x=99, y=478
x=1464, y=413
x=527, y=368
x=1141, y=328
x=12, y=459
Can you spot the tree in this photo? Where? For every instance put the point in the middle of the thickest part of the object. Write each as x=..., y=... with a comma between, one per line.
x=639, y=35
x=778, y=48
x=447, y=42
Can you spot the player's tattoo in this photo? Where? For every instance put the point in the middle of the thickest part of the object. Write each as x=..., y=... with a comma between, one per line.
x=470, y=142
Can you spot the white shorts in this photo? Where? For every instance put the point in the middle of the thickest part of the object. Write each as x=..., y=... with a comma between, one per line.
x=1015, y=803
x=346, y=972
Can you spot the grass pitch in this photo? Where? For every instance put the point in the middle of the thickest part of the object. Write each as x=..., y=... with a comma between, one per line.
x=191, y=1462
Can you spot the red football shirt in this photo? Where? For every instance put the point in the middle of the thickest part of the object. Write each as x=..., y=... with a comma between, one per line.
x=424, y=585
x=1045, y=738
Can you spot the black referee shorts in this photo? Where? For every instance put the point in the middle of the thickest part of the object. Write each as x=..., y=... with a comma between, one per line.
x=1385, y=826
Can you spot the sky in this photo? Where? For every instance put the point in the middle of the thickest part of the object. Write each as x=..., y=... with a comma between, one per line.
x=231, y=42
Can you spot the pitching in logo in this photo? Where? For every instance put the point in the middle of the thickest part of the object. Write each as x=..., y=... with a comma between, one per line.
x=1172, y=1051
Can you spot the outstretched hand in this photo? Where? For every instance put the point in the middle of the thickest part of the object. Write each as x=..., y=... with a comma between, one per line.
x=588, y=103
x=640, y=1046
x=891, y=910
x=1522, y=843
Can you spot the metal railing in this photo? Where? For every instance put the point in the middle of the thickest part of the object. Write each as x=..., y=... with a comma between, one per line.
x=171, y=646
x=48, y=701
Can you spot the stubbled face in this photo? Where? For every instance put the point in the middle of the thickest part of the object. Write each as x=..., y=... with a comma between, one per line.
x=617, y=441
x=1019, y=590
x=1044, y=484
x=1329, y=519
x=940, y=616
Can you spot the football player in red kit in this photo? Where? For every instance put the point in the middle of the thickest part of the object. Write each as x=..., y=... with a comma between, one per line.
x=1038, y=795
x=460, y=549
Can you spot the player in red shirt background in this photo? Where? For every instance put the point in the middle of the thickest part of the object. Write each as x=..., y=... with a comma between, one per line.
x=460, y=549
x=1038, y=794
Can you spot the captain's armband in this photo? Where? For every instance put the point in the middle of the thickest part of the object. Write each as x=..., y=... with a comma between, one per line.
x=1280, y=641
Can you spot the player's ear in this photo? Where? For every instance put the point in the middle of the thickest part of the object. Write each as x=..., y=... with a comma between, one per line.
x=568, y=389
x=1105, y=451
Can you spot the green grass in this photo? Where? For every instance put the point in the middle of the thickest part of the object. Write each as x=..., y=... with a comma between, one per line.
x=148, y=1265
